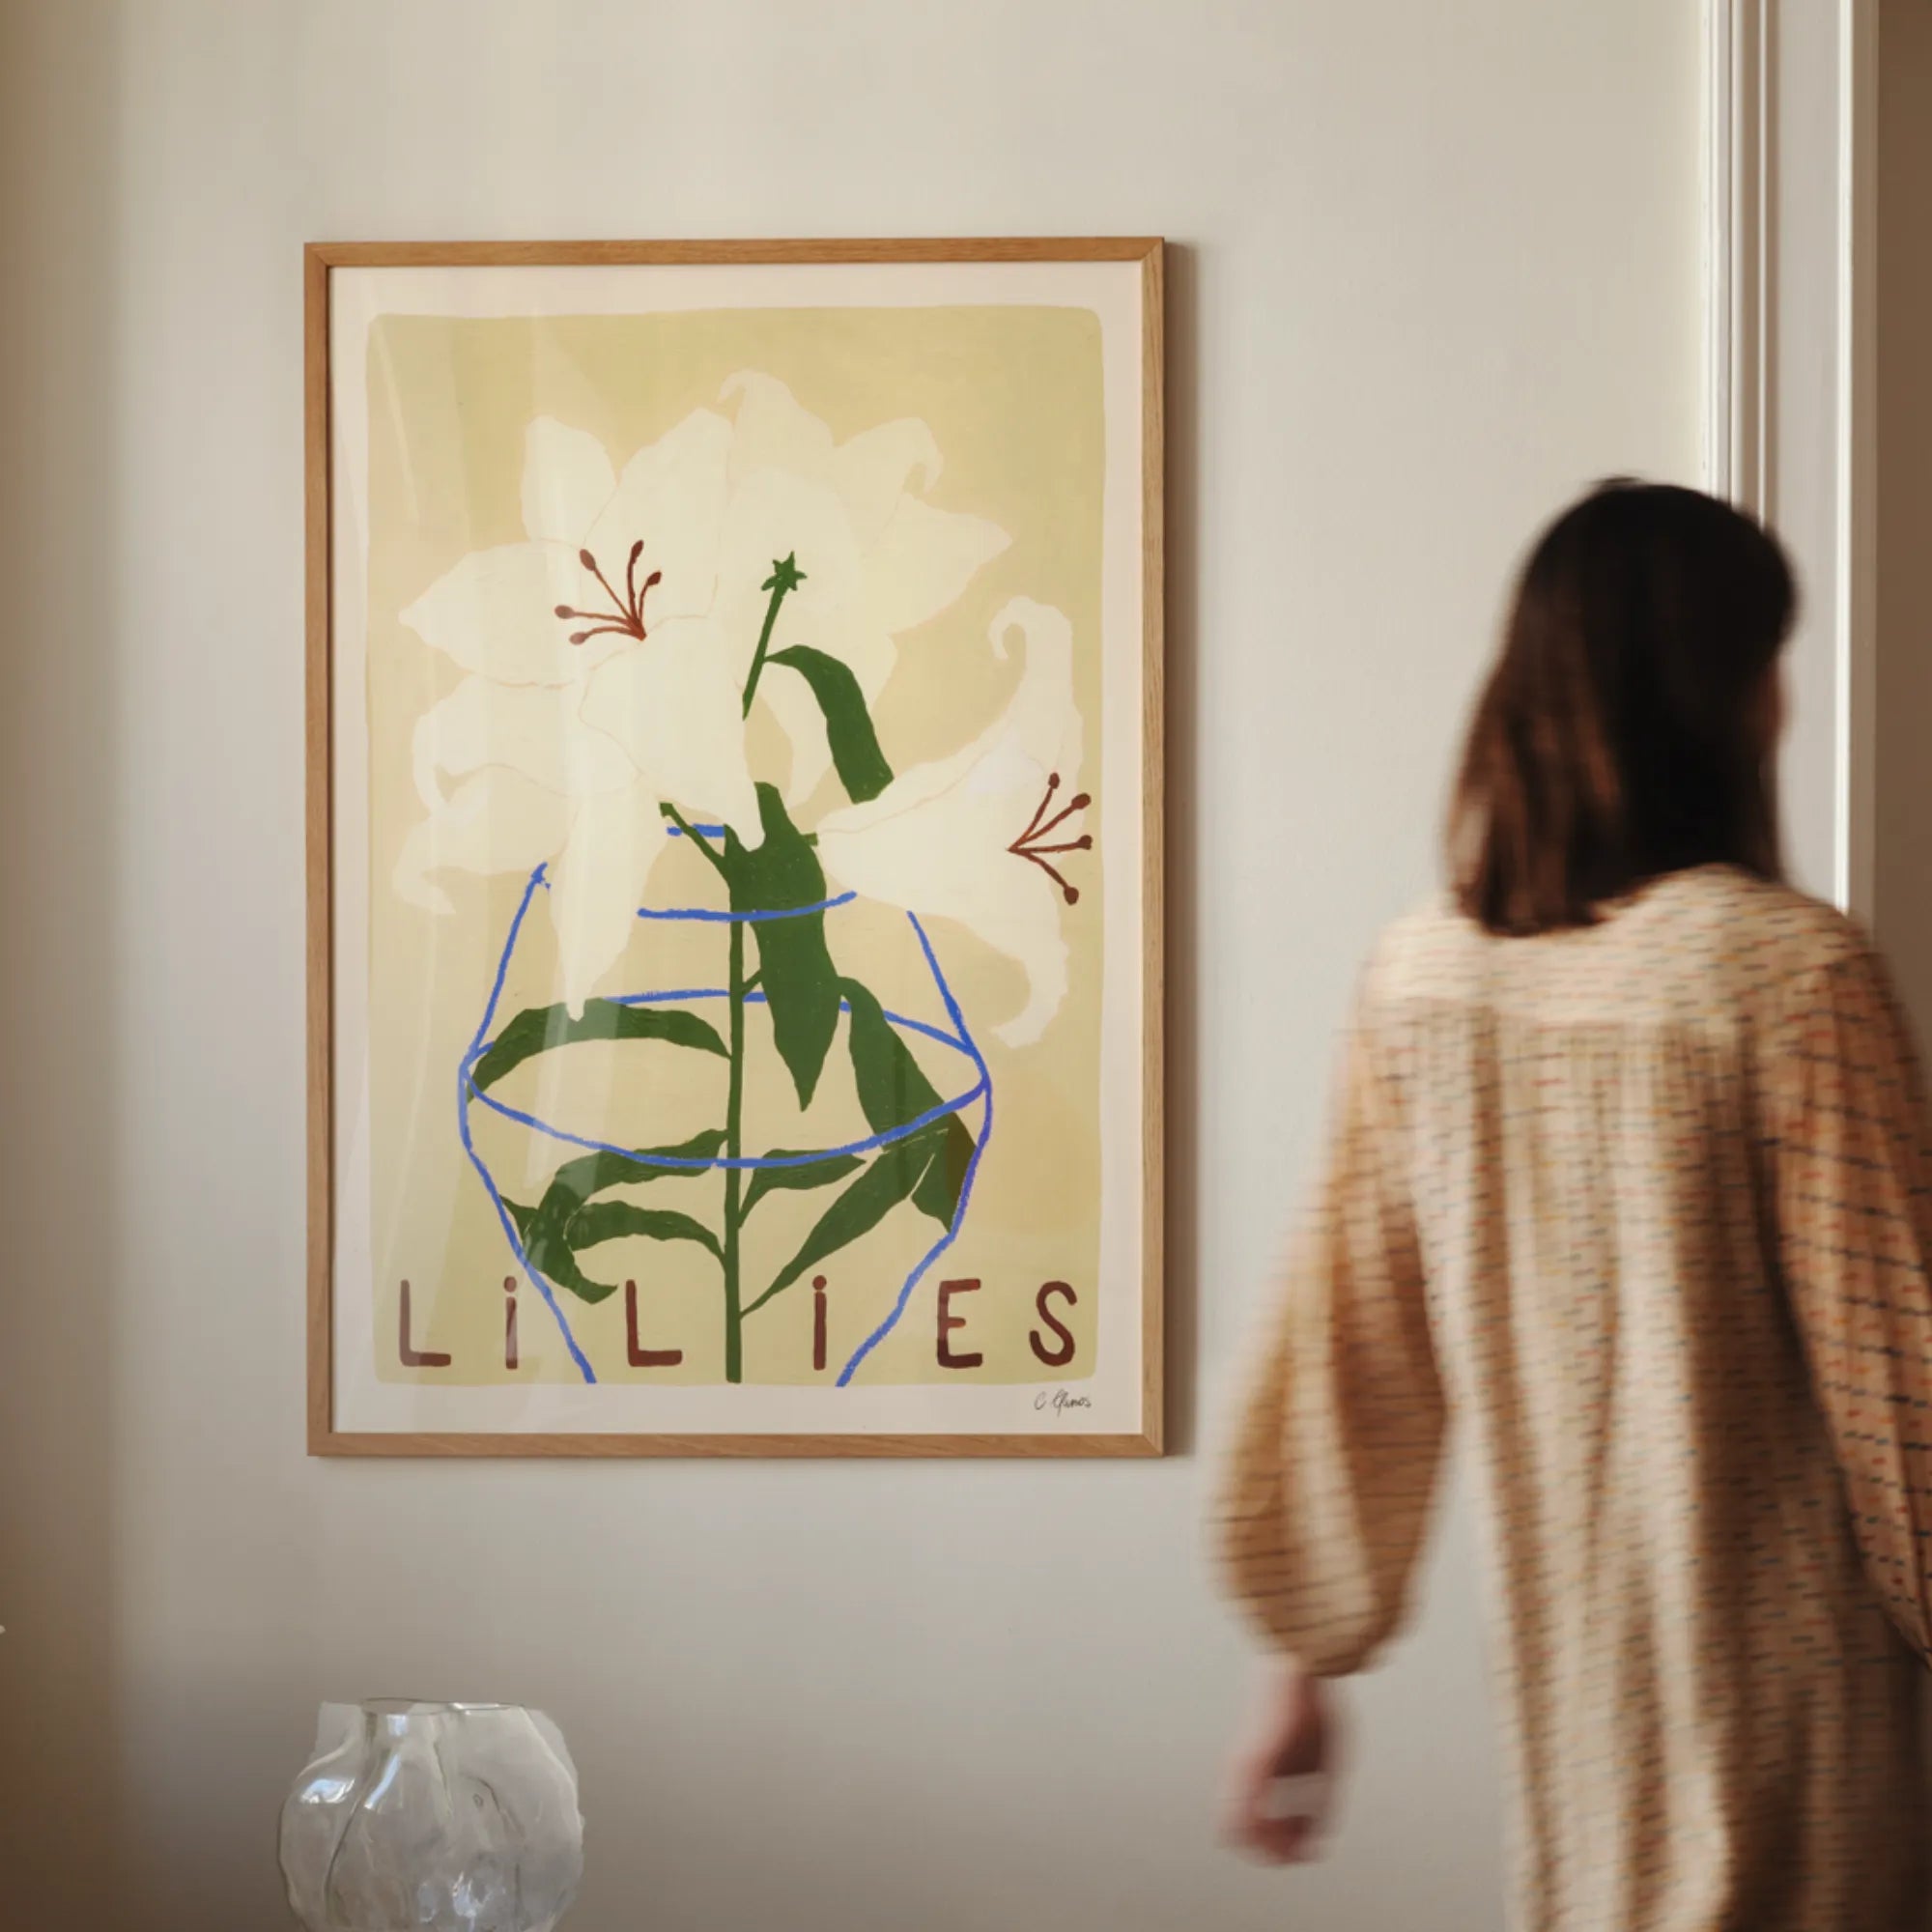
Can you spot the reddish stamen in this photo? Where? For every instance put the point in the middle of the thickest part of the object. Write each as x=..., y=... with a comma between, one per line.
x=1039, y=826
x=589, y=563
x=1039, y=812
x=626, y=617
x=1073, y=893
x=1080, y=804
x=633, y=603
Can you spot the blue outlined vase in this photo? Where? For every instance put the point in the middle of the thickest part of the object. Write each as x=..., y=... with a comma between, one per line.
x=972, y=1092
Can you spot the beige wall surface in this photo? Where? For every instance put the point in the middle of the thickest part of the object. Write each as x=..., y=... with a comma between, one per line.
x=1439, y=267
x=1903, y=878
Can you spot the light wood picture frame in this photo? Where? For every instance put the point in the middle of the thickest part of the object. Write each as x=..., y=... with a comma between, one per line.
x=786, y=574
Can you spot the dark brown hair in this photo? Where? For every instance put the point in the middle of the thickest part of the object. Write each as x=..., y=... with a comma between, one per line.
x=1621, y=735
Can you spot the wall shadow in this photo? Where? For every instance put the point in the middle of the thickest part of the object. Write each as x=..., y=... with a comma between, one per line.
x=60, y=1818
x=1903, y=850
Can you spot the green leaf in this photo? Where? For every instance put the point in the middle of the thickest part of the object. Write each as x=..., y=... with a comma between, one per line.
x=890, y=1178
x=550, y=1256
x=800, y=983
x=893, y=1089
x=863, y=769
x=593, y=1173
x=612, y=1221
x=807, y=1174
x=550, y=1232
x=938, y=1192
x=537, y=1028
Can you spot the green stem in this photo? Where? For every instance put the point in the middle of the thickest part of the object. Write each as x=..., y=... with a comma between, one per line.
x=734, y=1110
x=786, y=577
x=697, y=838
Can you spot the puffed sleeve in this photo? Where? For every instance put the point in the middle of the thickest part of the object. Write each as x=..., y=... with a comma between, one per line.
x=1327, y=1492
x=1851, y=1165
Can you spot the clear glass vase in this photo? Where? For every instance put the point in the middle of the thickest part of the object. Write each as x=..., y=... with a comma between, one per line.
x=433, y=1818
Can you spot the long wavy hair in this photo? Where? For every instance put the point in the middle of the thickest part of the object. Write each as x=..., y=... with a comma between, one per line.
x=1623, y=733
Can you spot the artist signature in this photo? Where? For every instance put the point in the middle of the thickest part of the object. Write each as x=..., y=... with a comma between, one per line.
x=1060, y=1400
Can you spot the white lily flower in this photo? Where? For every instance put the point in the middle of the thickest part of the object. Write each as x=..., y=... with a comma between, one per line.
x=606, y=654
x=982, y=837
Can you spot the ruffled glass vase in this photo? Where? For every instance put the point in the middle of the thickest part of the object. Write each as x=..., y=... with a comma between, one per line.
x=433, y=1818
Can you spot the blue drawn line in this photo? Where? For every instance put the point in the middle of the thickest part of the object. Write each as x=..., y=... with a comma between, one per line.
x=714, y=915
x=748, y=1163
x=984, y=1090
x=711, y=917
x=691, y=1164
x=678, y=994
x=709, y=831
x=466, y=1091
x=960, y=1039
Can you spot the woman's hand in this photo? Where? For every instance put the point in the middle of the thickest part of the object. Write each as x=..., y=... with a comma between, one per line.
x=1279, y=1795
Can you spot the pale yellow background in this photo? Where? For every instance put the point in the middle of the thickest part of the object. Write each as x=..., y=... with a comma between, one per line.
x=1013, y=396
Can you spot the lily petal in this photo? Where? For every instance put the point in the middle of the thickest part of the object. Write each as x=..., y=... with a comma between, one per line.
x=774, y=514
x=567, y=480
x=941, y=838
x=1044, y=715
x=676, y=711
x=495, y=613
x=496, y=820
x=790, y=700
x=869, y=472
x=598, y=883
x=531, y=728
x=924, y=559
x=949, y=858
x=1040, y=723
x=772, y=431
x=670, y=495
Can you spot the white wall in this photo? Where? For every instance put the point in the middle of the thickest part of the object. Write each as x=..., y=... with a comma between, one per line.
x=1437, y=268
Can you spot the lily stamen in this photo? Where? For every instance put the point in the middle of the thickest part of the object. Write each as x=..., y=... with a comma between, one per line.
x=626, y=617
x=1081, y=801
x=1039, y=811
x=1040, y=826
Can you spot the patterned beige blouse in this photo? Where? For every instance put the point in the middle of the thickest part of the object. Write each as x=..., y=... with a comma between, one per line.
x=1648, y=1208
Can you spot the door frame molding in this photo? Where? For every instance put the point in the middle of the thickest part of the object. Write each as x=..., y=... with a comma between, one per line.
x=1790, y=111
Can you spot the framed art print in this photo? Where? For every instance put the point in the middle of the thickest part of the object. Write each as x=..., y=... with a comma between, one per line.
x=735, y=831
